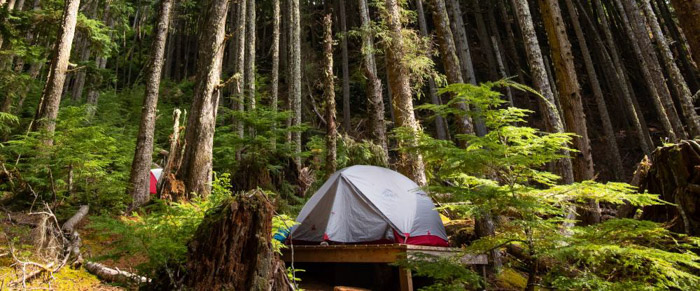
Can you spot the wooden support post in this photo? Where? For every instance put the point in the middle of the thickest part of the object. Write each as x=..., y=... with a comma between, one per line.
x=405, y=279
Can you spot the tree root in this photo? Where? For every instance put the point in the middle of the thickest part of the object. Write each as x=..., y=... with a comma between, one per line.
x=71, y=248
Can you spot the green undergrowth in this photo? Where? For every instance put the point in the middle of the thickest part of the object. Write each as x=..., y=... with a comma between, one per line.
x=158, y=235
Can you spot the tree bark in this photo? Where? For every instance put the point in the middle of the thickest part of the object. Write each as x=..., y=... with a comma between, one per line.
x=345, y=66
x=569, y=90
x=485, y=40
x=677, y=79
x=503, y=71
x=199, y=135
x=672, y=172
x=461, y=40
x=77, y=93
x=651, y=70
x=608, y=130
x=329, y=96
x=456, y=24
x=680, y=45
x=231, y=249
x=375, y=100
x=114, y=274
x=511, y=48
x=450, y=61
x=409, y=164
x=688, y=14
x=620, y=78
x=239, y=83
x=440, y=122
x=169, y=188
x=250, y=55
x=541, y=81
x=274, y=86
x=295, y=74
x=570, y=98
x=47, y=110
x=139, y=179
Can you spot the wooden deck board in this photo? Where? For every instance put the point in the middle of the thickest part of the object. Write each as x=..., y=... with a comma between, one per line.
x=385, y=253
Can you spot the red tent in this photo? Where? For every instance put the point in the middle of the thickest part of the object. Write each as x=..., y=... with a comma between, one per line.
x=155, y=177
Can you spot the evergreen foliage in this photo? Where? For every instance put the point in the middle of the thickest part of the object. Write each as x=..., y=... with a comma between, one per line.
x=500, y=174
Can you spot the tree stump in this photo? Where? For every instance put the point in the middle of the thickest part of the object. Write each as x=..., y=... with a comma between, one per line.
x=673, y=172
x=231, y=249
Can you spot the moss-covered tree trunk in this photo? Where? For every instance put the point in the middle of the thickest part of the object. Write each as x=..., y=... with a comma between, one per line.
x=399, y=82
x=375, y=101
x=329, y=96
x=440, y=123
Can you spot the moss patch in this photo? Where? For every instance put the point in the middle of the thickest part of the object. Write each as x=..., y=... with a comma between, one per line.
x=510, y=279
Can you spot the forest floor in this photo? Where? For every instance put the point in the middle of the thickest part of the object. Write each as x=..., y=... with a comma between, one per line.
x=19, y=236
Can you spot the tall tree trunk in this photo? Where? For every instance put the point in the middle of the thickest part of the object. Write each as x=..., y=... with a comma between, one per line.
x=250, y=55
x=569, y=90
x=502, y=69
x=170, y=50
x=680, y=44
x=677, y=79
x=500, y=56
x=456, y=24
x=570, y=98
x=139, y=179
x=94, y=94
x=485, y=40
x=229, y=62
x=47, y=110
x=461, y=40
x=651, y=70
x=77, y=93
x=294, y=79
x=238, y=94
x=409, y=164
x=345, y=66
x=448, y=53
x=688, y=14
x=329, y=96
x=608, y=130
x=199, y=136
x=541, y=81
x=511, y=48
x=375, y=100
x=274, y=86
x=440, y=122
x=620, y=76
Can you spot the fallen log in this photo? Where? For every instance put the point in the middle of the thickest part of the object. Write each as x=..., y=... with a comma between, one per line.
x=70, y=224
x=73, y=237
x=114, y=275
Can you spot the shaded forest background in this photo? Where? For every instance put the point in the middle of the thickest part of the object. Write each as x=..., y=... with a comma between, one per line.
x=232, y=96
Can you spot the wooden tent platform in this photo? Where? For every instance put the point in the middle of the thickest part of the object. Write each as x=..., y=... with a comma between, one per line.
x=380, y=253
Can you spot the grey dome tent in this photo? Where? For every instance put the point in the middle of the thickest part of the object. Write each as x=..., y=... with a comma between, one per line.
x=368, y=204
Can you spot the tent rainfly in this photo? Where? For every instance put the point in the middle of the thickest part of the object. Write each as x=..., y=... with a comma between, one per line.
x=155, y=178
x=368, y=204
